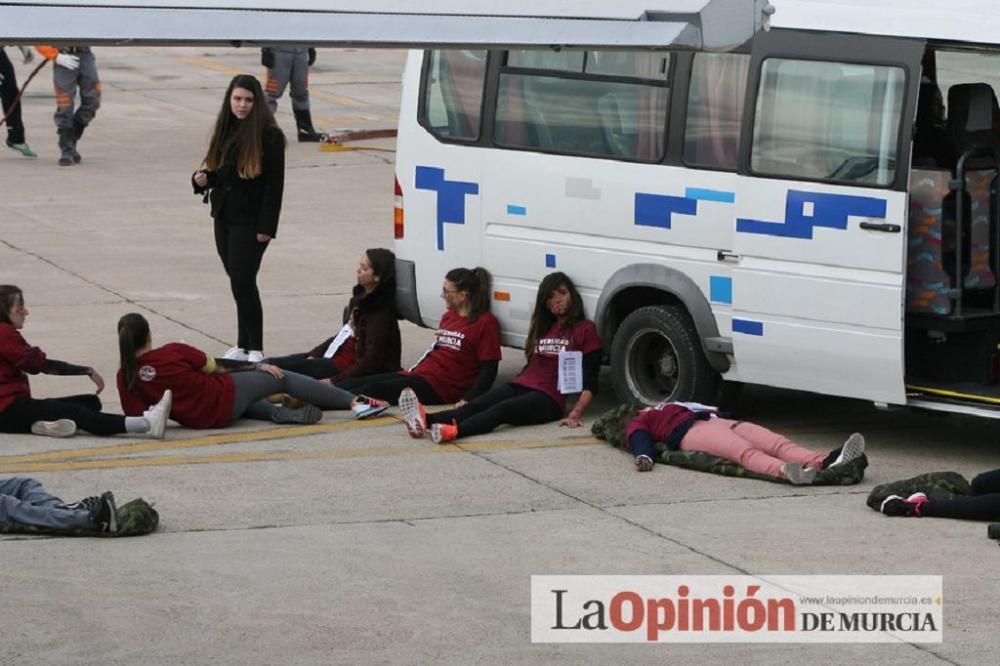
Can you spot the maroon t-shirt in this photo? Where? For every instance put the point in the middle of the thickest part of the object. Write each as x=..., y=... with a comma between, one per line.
x=542, y=371
x=451, y=365
x=201, y=399
x=17, y=357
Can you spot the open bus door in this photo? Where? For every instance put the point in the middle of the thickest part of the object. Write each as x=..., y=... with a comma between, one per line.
x=818, y=284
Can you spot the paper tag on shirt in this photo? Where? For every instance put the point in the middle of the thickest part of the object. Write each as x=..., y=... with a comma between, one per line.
x=570, y=372
x=340, y=339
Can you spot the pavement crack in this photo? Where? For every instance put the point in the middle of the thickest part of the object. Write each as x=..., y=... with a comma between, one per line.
x=120, y=297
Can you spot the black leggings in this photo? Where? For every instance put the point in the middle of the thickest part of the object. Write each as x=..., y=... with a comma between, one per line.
x=241, y=254
x=84, y=410
x=982, y=504
x=317, y=368
x=389, y=385
x=510, y=404
x=8, y=93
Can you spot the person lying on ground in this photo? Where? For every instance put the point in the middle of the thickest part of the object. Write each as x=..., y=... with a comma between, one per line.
x=690, y=426
x=24, y=501
x=982, y=504
x=57, y=417
x=558, y=325
x=209, y=396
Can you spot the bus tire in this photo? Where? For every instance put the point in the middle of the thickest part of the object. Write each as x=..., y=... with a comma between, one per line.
x=656, y=355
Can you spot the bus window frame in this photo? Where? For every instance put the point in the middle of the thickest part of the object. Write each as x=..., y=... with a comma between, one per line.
x=903, y=53
x=683, y=114
x=424, y=121
x=668, y=82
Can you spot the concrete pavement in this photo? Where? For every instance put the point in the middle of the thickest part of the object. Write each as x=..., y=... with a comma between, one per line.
x=348, y=542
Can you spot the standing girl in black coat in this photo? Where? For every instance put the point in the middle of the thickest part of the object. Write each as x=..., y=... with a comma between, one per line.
x=244, y=176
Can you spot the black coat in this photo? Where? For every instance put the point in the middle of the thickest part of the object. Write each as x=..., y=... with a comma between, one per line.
x=376, y=330
x=254, y=201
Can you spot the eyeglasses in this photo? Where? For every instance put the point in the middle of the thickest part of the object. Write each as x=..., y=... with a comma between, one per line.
x=449, y=291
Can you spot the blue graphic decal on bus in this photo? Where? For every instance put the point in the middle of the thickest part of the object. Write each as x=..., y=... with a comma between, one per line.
x=550, y=261
x=748, y=327
x=806, y=210
x=450, y=197
x=656, y=210
x=702, y=194
x=720, y=289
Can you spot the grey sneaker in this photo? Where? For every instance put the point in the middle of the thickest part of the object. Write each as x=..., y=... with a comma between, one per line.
x=307, y=414
x=105, y=514
x=852, y=449
x=158, y=414
x=797, y=474
x=58, y=428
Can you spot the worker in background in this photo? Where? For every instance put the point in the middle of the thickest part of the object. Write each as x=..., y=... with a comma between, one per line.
x=291, y=65
x=75, y=67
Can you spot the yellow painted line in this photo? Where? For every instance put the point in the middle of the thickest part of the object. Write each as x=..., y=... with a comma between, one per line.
x=955, y=394
x=208, y=440
x=335, y=148
x=272, y=456
x=205, y=63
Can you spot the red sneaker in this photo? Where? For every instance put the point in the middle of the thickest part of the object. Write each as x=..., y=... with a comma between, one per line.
x=444, y=432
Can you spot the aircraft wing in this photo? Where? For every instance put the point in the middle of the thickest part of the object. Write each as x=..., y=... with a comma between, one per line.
x=592, y=24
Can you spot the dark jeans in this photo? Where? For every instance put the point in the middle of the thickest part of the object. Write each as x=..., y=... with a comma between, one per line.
x=389, y=385
x=510, y=404
x=317, y=368
x=982, y=504
x=84, y=410
x=8, y=93
x=241, y=254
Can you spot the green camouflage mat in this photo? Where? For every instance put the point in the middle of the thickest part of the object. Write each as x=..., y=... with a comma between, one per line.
x=135, y=518
x=611, y=428
x=936, y=485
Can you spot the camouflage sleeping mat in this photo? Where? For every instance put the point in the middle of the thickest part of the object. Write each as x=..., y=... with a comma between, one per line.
x=135, y=518
x=936, y=485
x=611, y=428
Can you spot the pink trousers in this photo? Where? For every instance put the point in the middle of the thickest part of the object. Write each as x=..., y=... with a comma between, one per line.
x=754, y=447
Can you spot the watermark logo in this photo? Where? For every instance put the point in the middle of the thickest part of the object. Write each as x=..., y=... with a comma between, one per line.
x=736, y=609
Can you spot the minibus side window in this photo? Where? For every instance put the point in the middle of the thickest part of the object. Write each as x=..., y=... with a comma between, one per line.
x=715, y=109
x=600, y=104
x=453, y=95
x=828, y=121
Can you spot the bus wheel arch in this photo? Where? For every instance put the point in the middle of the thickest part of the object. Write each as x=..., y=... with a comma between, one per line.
x=656, y=320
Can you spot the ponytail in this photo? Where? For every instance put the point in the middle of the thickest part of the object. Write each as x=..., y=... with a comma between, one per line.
x=133, y=334
x=477, y=283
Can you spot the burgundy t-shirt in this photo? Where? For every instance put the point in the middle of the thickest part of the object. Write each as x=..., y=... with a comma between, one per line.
x=201, y=399
x=17, y=357
x=451, y=365
x=542, y=371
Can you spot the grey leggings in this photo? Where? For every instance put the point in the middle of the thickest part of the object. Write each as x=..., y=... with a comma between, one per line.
x=253, y=388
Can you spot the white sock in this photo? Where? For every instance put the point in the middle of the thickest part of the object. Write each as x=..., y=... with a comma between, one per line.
x=136, y=424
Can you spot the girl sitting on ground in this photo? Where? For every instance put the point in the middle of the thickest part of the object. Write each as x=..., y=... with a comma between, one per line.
x=690, y=426
x=369, y=342
x=462, y=362
x=57, y=417
x=208, y=396
x=532, y=397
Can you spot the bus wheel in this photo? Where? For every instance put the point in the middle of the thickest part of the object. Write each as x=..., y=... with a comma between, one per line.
x=656, y=355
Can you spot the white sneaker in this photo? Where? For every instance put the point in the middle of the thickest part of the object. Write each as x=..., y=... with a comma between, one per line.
x=852, y=449
x=255, y=356
x=798, y=475
x=58, y=428
x=158, y=414
x=236, y=354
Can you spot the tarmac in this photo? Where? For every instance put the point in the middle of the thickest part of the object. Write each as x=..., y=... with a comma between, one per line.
x=348, y=542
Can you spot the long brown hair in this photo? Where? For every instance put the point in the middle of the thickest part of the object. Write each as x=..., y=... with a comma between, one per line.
x=542, y=319
x=477, y=283
x=10, y=297
x=133, y=334
x=244, y=138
